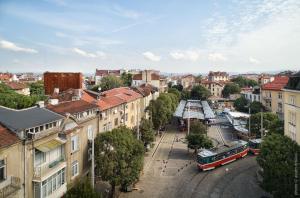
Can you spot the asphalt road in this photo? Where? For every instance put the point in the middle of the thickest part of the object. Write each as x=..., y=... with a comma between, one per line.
x=172, y=172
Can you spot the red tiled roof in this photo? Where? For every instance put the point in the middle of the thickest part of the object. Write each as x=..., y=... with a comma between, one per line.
x=112, y=98
x=102, y=72
x=72, y=107
x=16, y=85
x=188, y=75
x=5, y=76
x=7, y=137
x=137, y=77
x=277, y=84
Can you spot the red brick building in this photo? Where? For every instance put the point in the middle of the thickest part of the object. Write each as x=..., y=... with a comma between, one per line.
x=62, y=81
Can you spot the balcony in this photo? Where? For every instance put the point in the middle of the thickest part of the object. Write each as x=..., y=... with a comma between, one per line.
x=267, y=98
x=49, y=168
x=10, y=186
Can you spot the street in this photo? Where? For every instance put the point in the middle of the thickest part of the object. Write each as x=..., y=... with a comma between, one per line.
x=172, y=172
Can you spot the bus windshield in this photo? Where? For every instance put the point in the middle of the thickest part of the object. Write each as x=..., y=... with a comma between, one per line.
x=205, y=160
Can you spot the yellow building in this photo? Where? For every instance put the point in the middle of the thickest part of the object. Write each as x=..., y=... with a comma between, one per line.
x=272, y=95
x=11, y=168
x=292, y=108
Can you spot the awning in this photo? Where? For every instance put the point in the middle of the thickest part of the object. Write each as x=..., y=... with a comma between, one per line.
x=50, y=145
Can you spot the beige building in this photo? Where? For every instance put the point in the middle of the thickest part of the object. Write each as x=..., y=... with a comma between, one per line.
x=272, y=95
x=187, y=81
x=292, y=108
x=79, y=128
x=19, y=88
x=11, y=168
x=147, y=76
x=214, y=87
x=218, y=76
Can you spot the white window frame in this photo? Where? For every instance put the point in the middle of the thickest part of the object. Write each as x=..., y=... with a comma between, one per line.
x=74, y=143
x=3, y=166
x=90, y=132
x=75, y=169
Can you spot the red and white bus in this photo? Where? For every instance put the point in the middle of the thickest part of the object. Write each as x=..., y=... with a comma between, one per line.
x=254, y=146
x=210, y=159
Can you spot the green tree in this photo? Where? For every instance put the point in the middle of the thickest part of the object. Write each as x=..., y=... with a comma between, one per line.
x=198, y=78
x=175, y=92
x=185, y=94
x=256, y=107
x=197, y=141
x=118, y=157
x=110, y=82
x=244, y=82
x=126, y=79
x=82, y=189
x=197, y=127
x=231, y=88
x=271, y=123
x=37, y=88
x=146, y=131
x=159, y=113
x=277, y=160
x=179, y=87
x=240, y=104
x=200, y=93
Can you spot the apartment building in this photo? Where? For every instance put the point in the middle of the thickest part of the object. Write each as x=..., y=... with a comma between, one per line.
x=100, y=73
x=272, y=95
x=251, y=94
x=218, y=76
x=78, y=129
x=44, y=160
x=291, y=95
x=11, y=170
x=214, y=87
x=187, y=81
x=147, y=76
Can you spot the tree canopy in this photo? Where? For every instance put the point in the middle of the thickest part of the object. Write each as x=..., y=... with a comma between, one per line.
x=9, y=98
x=277, y=160
x=175, y=92
x=126, y=79
x=271, y=123
x=118, y=157
x=255, y=107
x=244, y=82
x=231, y=88
x=197, y=138
x=197, y=127
x=110, y=82
x=162, y=109
x=199, y=92
x=179, y=87
x=146, y=131
x=240, y=104
x=82, y=189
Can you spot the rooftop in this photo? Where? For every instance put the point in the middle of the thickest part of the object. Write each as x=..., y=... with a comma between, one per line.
x=72, y=107
x=7, y=137
x=294, y=82
x=277, y=84
x=105, y=72
x=16, y=85
x=18, y=120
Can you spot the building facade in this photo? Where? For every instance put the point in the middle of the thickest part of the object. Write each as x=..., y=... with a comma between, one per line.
x=187, y=81
x=147, y=76
x=272, y=95
x=291, y=97
x=214, y=87
x=218, y=76
x=100, y=73
x=19, y=88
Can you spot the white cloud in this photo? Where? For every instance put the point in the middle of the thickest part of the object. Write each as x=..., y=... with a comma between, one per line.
x=253, y=60
x=13, y=47
x=81, y=52
x=191, y=55
x=216, y=57
x=150, y=56
x=120, y=11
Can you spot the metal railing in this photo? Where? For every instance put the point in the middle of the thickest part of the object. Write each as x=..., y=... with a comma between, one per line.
x=12, y=185
x=45, y=168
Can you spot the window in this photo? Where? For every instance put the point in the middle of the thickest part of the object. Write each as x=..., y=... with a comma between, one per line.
x=2, y=170
x=116, y=122
x=292, y=100
x=74, y=143
x=51, y=184
x=280, y=95
x=126, y=117
x=90, y=132
x=75, y=168
x=292, y=118
x=39, y=157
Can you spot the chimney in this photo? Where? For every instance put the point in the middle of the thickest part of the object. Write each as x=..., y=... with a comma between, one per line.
x=53, y=101
x=41, y=104
x=56, y=91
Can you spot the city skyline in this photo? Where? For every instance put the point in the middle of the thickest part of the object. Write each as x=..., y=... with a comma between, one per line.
x=232, y=36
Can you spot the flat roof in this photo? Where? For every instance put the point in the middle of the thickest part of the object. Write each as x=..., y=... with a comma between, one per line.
x=236, y=114
x=18, y=120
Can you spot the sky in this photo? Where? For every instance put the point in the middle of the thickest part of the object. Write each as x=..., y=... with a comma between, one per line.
x=174, y=36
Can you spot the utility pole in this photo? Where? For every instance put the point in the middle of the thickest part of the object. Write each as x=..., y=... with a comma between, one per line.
x=249, y=120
